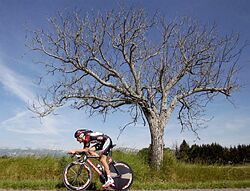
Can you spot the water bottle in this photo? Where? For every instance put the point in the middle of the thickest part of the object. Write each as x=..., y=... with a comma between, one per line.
x=100, y=167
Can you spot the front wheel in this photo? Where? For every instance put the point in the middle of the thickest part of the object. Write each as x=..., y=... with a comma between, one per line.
x=122, y=175
x=77, y=176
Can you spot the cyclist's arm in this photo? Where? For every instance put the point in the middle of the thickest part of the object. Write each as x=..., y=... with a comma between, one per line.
x=91, y=151
x=74, y=151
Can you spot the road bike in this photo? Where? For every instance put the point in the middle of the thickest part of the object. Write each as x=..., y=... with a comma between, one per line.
x=78, y=174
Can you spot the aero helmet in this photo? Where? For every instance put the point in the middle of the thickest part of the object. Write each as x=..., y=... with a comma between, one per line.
x=80, y=132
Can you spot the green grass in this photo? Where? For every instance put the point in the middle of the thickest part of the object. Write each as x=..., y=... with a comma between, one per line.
x=46, y=173
x=30, y=184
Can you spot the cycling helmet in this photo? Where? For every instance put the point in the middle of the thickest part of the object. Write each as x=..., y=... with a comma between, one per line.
x=81, y=132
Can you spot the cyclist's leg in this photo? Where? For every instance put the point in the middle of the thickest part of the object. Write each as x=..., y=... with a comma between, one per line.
x=103, y=158
x=92, y=151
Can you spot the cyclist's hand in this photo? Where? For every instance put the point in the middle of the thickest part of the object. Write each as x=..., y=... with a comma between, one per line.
x=72, y=152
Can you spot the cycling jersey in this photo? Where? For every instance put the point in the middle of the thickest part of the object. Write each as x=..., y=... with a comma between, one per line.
x=99, y=141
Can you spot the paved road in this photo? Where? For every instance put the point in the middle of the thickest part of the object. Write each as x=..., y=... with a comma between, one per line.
x=225, y=189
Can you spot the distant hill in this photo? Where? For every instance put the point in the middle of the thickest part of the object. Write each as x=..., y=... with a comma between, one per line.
x=31, y=152
x=45, y=152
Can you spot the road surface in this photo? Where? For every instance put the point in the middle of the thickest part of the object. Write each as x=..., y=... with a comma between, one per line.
x=224, y=189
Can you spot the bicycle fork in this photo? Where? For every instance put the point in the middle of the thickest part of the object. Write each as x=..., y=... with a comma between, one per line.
x=78, y=173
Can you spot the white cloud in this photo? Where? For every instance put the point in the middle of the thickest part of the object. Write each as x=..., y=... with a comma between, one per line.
x=24, y=121
x=16, y=83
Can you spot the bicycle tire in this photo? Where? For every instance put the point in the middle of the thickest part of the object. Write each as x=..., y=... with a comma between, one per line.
x=81, y=171
x=125, y=180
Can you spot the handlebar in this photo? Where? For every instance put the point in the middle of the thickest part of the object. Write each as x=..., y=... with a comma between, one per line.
x=83, y=155
x=80, y=156
x=77, y=153
x=86, y=154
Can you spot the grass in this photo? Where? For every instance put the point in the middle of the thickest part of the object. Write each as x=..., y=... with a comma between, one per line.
x=30, y=184
x=46, y=173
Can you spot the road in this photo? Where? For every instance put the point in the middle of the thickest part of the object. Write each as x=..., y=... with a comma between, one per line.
x=225, y=189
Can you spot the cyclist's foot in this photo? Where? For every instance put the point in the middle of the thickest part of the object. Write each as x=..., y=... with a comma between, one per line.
x=108, y=183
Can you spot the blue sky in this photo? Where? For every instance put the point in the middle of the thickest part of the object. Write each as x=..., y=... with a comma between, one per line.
x=19, y=128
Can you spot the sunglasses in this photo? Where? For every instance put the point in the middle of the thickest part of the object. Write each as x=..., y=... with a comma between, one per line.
x=81, y=136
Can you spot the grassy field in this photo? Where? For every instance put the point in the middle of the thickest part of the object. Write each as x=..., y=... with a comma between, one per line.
x=46, y=173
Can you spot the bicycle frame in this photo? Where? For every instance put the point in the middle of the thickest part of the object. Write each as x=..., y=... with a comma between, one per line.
x=94, y=166
x=85, y=164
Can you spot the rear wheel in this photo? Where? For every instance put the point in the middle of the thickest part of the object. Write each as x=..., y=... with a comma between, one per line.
x=77, y=176
x=122, y=175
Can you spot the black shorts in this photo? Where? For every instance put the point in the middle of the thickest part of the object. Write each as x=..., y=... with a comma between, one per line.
x=103, y=147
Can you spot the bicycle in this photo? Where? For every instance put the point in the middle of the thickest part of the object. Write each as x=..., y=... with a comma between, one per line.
x=78, y=174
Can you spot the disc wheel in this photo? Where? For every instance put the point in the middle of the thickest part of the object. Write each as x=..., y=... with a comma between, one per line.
x=122, y=175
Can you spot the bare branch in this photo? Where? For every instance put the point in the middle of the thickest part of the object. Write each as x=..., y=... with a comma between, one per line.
x=104, y=61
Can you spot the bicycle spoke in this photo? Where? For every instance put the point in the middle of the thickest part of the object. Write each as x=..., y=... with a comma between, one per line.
x=78, y=175
x=73, y=171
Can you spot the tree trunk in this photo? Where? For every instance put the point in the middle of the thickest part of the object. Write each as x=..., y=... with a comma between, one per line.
x=156, y=126
x=156, y=147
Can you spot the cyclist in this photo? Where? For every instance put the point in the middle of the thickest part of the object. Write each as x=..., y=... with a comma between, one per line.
x=95, y=141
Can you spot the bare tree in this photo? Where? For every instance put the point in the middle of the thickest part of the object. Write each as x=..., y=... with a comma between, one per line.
x=107, y=60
